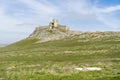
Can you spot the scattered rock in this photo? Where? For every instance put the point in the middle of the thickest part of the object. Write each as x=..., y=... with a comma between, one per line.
x=89, y=69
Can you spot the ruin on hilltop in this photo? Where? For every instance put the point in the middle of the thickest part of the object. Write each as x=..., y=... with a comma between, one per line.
x=54, y=25
x=52, y=31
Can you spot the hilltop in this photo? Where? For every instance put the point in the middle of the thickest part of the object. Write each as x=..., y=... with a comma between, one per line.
x=44, y=35
x=55, y=31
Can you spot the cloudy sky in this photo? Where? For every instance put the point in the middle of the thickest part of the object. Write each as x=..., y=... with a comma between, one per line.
x=18, y=18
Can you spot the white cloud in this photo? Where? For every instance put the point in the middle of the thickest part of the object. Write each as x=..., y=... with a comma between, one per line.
x=8, y=23
x=83, y=9
x=104, y=15
x=79, y=9
x=110, y=9
x=109, y=21
x=41, y=8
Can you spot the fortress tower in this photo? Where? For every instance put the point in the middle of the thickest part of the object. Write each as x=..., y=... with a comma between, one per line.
x=55, y=26
x=55, y=21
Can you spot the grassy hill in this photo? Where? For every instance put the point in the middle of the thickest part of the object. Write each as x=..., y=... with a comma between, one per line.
x=57, y=59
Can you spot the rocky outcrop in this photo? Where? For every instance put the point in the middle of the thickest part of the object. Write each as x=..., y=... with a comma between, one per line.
x=44, y=34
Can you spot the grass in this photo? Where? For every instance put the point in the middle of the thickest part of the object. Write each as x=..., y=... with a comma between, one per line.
x=56, y=60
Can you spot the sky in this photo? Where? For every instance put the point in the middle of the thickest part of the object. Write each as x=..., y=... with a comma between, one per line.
x=18, y=18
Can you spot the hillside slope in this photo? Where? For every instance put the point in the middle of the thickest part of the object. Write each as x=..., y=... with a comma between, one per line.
x=56, y=59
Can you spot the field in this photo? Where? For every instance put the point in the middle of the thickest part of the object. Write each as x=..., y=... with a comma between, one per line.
x=57, y=60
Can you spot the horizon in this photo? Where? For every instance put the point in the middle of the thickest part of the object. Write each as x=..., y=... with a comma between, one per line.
x=19, y=18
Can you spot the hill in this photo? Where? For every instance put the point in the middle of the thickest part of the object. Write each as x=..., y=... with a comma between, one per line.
x=54, y=55
x=2, y=45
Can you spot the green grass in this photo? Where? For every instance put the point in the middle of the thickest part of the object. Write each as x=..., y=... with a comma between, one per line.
x=56, y=60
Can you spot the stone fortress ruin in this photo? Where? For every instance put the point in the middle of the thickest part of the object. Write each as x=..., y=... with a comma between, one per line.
x=54, y=25
x=52, y=31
